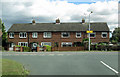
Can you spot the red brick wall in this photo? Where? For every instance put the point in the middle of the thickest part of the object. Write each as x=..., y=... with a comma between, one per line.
x=56, y=37
x=68, y=48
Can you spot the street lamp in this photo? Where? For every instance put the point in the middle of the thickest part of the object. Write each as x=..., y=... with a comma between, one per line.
x=89, y=30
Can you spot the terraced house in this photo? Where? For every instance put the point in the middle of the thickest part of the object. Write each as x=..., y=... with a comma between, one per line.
x=60, y=36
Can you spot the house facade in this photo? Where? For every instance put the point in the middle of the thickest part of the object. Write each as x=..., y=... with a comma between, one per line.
x=59, y=35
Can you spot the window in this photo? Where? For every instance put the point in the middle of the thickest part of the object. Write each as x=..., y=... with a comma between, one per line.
x=92, y=35
x=66, y=44
x=104, y=34
x=34, y=34
x=11, y=35
x=45, y=43
x=11, y=45
x=34, y=44
x=78, y=34
x=65, y=34
x=23, y=44
x=47, y=35
x=22, y=34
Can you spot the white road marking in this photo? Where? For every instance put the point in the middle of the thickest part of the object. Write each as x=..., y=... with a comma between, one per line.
x=60, y=54
x=51, y=54
x=109, y=67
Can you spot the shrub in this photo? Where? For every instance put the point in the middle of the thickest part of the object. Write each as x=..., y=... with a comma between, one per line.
x=48, y=48
x=85, y=39
x=26, y=49
x=18, y=46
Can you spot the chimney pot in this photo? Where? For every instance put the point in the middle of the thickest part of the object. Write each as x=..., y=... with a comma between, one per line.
x=83, y=20
x=57, y=21
x=33, y=22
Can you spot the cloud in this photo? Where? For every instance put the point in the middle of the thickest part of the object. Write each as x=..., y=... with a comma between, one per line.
x=48, y=11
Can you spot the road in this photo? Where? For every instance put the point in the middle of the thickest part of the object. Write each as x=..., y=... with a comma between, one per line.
x=66, y=63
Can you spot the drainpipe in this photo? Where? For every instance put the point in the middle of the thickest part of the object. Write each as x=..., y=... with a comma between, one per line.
x=28, y=40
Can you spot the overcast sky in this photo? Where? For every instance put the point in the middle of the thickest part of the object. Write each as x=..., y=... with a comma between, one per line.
x=43, y=11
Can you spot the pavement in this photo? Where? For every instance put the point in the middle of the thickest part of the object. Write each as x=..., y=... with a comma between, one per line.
x=67, y=63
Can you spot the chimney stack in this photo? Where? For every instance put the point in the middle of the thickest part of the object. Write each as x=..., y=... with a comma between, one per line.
x=83, y=20
x=33, y=22
x=57, y=21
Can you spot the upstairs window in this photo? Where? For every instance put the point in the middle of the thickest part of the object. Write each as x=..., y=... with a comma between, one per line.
x=65, y=34
x=11, y=35
x=104, y=34
x=78, y=34
x=34, y=34
x=92, y=35
x=22, y=34
x=47, y=35
x=23, y=44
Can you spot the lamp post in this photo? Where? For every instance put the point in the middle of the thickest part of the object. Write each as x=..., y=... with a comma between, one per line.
x=89, y=30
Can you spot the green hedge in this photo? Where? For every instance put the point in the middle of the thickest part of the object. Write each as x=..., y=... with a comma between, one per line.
x=48, y=48
x=26, y=49
x=17, y=46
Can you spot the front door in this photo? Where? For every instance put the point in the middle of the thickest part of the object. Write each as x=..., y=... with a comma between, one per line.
x=34, y=47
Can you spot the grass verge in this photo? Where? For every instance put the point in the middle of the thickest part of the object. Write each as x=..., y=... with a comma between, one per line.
x=10, y=68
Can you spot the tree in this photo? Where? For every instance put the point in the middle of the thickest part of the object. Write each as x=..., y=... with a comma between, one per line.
x=4, y=34
x=0, y=24
x=116, y=35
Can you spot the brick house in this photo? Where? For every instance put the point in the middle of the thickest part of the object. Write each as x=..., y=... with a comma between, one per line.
x=58, y=35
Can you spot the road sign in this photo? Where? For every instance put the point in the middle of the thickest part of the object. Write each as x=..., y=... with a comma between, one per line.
x=89, y=31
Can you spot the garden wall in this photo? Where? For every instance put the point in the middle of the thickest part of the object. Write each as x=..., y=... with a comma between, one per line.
x=81, y=48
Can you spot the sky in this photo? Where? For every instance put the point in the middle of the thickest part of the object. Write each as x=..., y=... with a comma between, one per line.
x=47, y=11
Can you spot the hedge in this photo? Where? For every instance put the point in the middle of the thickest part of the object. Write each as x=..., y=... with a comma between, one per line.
x=26, y=49
x=48, y=48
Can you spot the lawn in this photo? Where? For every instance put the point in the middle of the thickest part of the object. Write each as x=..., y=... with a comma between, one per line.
x=10, y=67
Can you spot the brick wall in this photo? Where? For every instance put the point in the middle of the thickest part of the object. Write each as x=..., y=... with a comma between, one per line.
x=68, y=48
x=56, y=37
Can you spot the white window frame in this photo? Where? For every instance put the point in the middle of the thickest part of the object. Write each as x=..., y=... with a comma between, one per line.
x=65, y=32
x=66, y=42
x=10, y=35
x=34, y=44
x=78, y=33
x=42, y=43
x=12, y=45
x=26, y=43
x=45, y=35
x=104, y=33
x=24, y=34
x=34, y=35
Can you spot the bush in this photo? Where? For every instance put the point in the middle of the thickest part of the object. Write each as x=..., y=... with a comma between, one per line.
x=18, y=46
x=48, y=48
x=2, y=48
x=26, y=49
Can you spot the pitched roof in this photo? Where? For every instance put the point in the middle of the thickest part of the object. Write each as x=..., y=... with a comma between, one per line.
x=40, y=27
